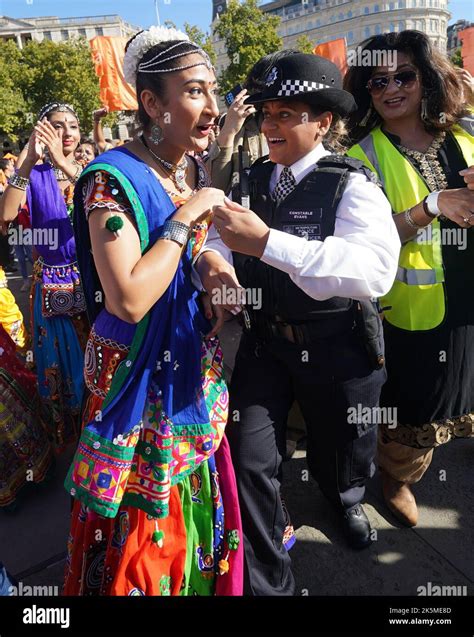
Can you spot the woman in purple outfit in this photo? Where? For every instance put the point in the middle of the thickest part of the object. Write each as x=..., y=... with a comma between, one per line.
x=59, y=321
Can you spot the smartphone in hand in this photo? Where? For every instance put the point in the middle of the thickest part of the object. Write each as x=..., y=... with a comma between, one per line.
x=231, y=95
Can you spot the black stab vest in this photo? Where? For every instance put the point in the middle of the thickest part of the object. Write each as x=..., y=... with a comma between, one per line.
x=310, y=212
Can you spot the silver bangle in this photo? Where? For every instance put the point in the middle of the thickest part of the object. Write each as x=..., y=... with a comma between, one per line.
x=18, y=182
x=176, y=231
x=410, y=221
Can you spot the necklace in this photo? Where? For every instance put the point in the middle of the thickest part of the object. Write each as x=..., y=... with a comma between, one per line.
x=58, y=173
x=177, y=172
x=429, y=164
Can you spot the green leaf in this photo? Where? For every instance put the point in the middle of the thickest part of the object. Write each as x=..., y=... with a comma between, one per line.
x=248, y=34
x=304, y=44
x=204, y=40
x=43, y=72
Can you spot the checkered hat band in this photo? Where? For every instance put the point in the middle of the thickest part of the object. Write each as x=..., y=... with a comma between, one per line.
x=293, y=87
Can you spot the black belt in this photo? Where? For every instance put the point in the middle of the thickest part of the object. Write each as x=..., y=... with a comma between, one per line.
x=267, y=327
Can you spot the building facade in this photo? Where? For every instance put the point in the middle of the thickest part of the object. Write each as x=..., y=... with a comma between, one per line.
x=354, y=20
x=61, y=29
x=454, y=43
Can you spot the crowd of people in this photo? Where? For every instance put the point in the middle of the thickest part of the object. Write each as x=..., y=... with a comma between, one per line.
x=340, y=200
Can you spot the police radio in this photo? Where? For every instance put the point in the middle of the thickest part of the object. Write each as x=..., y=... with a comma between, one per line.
x=243, y=198
x=244, y=189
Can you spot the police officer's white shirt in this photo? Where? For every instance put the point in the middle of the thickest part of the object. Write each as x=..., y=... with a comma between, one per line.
x=359, y=261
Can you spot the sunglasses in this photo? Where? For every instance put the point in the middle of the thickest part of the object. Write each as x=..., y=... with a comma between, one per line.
x=404, y=79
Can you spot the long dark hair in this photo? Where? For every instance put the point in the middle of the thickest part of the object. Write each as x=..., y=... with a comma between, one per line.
x=156, y=82
x=441, y=85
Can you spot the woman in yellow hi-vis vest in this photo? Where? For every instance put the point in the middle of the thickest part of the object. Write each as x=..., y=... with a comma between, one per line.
x=416, y=132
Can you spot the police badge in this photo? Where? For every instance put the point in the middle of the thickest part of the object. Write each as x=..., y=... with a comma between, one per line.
x=272, y=76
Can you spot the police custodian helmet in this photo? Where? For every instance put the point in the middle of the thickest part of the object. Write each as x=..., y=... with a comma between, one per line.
x=309, y=78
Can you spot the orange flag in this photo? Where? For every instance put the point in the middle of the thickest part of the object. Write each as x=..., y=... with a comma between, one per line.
x=334, y=50
x=108, y=53
x=467, y=50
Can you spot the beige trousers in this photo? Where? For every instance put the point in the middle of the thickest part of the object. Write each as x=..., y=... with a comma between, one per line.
x=403, y=463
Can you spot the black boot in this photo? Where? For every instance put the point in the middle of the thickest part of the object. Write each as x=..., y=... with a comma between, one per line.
x=357, y=527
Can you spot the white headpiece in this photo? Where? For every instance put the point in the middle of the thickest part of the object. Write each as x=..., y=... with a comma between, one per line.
x=145, y=41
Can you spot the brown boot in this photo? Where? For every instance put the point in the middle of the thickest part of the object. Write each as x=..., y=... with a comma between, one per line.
x=400, y=500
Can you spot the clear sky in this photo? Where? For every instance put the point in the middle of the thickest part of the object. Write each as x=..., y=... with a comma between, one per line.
x=142, y=12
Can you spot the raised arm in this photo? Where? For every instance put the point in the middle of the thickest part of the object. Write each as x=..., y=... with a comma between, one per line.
x=220, y=155
x=98, y=132
x=15, y=196
x=21, y=157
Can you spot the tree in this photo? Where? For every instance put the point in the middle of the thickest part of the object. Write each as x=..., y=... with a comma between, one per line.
x=63, y=72
x=12, y=103
x=304, y=44
x=43, y=72
x=204, y=40
x=249, y=34
x=456, y=58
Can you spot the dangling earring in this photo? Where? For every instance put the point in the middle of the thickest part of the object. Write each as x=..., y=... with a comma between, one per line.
x=156, y=134
x=424, y=108
x=365, y=120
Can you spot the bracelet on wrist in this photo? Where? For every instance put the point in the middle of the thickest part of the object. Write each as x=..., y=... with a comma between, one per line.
x=18, y=182
x=176, y=231
x=410, y=221
x=430, y=205
x=75, y=178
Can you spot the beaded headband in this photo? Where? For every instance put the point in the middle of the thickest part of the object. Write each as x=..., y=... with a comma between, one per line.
x=56, y=106
x=147, y=67
x=146, y=40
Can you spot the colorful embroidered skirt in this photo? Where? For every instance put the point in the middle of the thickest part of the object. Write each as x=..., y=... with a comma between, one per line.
x=10, y=315
x=58, y=345
x=185, y=537
x=25, y=451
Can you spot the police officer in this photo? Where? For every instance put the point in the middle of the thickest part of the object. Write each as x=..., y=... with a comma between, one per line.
x=319, y=242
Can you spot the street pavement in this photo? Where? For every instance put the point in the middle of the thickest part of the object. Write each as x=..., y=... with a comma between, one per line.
x=400, y=561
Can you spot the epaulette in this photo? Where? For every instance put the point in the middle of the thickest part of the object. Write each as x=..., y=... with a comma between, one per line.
x=352, y=164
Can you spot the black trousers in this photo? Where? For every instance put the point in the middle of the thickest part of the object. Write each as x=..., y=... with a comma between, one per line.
x=327, y=378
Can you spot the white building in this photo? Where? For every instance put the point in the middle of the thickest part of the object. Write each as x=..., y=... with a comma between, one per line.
x=61, y=29
x=355, y=20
